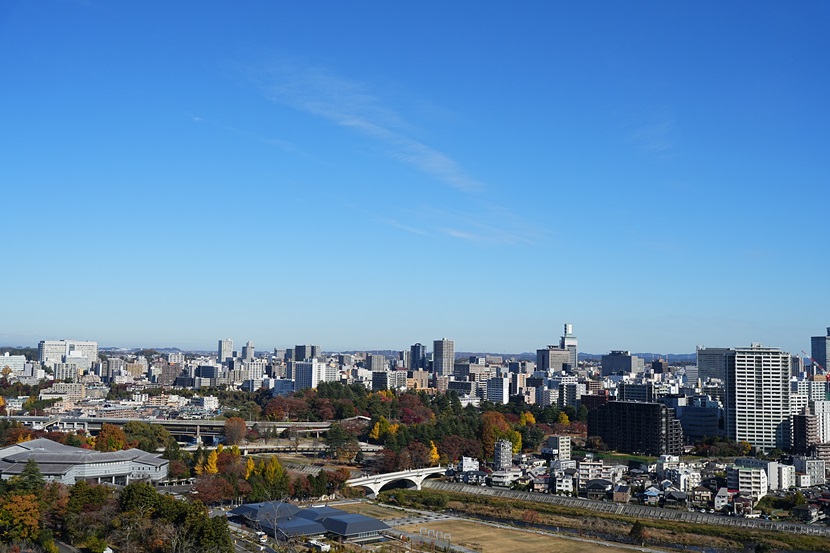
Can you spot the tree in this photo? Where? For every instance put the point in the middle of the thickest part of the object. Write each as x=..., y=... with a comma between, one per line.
x=433, y=454
x=341, y=444
x=235, y=429
x=210, y=465
x=526, y=419
x=19, y=518
x=146, y=436
x=563, y=419
x=638, y=533
x=30, y=481
x=110, y=438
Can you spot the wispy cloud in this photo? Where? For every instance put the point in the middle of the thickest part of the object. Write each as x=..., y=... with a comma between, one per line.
x=277, y=142
x=351, y=104
x=398, y=225
x=657, y=135
x=360, y=108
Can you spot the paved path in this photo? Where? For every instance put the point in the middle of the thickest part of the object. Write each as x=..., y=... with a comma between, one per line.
x=639, y=511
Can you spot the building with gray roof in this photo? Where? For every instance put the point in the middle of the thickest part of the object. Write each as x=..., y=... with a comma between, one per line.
x=67, y=464
x=286, y=521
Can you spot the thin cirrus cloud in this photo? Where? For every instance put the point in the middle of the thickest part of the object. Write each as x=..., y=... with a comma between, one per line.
x=350, y=104
x=657, y=135
x=353, y=105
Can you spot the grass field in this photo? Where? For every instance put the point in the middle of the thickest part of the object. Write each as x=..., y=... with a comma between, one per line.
x=370, y=510
x=489, y=539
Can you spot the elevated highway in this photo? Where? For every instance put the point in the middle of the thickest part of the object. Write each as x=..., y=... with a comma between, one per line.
x=177, y=427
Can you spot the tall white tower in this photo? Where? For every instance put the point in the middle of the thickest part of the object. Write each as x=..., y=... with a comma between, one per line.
x=225, y=350
x=569, y=342
x=758, y=396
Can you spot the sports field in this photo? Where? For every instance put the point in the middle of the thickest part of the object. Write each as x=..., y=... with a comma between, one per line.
x=489, y=539
x=371, y=510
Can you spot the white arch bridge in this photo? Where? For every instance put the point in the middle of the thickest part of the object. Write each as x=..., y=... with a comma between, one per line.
x=413, y=478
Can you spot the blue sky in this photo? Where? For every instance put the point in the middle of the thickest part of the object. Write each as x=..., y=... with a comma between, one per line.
x=375, y=174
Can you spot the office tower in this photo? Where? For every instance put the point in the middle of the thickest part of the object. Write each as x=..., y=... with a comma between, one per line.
x=552, y=359
x=757, y=399
x=248, y=351
x=225, y=351
x=568, y=342
x=660, y=366
x=635, y=427
x=820, y=350
x=498, y=390
x=443, y=357
x=619, y=361
x=403, y=359
x=418, y=357
x=376, y=362
x=306, y=352
x=308, y=374
x=711, y=363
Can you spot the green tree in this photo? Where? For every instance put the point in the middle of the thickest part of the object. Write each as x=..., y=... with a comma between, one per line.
x=30, y=481
x=147, y=437
x=638, y=533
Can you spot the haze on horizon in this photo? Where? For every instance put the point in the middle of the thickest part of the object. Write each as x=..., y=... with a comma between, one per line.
x=366, y=177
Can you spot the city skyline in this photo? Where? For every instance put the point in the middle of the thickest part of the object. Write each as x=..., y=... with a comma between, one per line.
x=286, y=173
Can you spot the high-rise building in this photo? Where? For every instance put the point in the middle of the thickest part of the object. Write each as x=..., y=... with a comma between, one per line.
x=376, y=362
x=306, y=352
x=619, y=361
x=225, y=351
x=820, y=350
x=443, y=357
x=637, y=427
x=552, y=359
x=757, y=400
x=60, y=351
x=711, y=363
x=569, y=342
x=498, y=389
x=308, y=374
x=418, y=357
x=248, y=351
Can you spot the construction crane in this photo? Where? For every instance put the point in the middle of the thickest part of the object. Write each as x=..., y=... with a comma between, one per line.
x=814, y=362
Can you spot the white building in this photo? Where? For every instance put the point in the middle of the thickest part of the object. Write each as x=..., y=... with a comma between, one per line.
x=786, y=477
x=769, y=467
x=498, y=390
x=66, y=464
x=757, y=397
x=750, y=482
x=560, y=447
x=822, y=411
x=813, y=467
x=468, y=464
x=15, y=363
x=503, y=455
x=50, y=352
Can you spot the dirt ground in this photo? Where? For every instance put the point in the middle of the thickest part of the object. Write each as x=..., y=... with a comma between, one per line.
x=488, y=539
